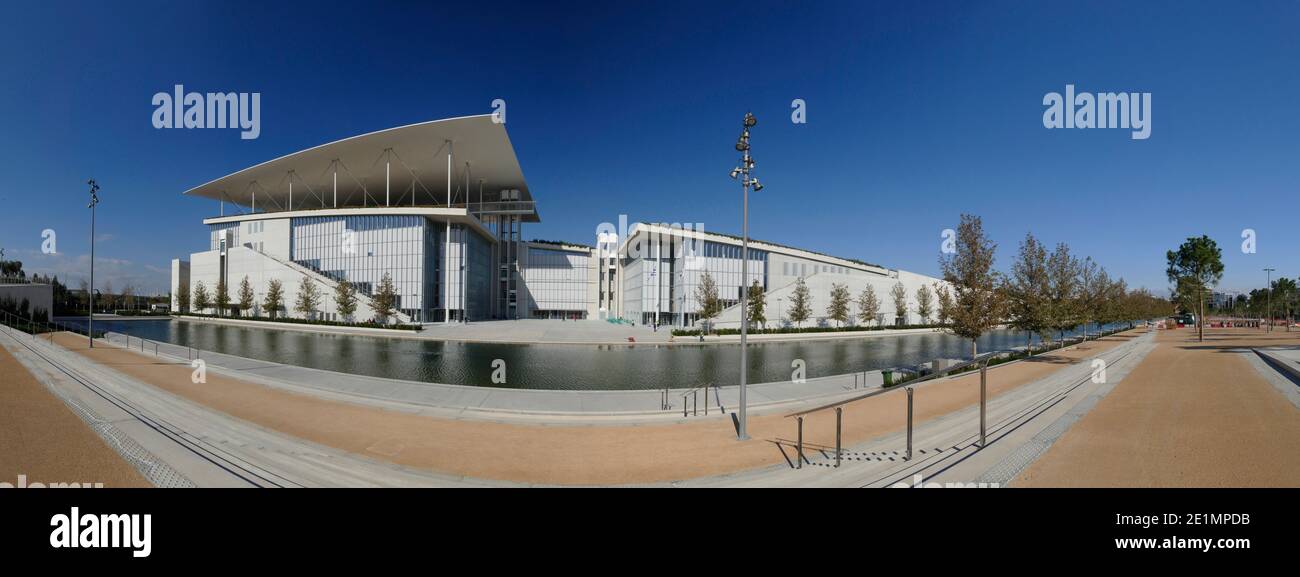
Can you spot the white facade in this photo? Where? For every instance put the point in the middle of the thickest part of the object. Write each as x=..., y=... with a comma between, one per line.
x=659, y=269
x=358, y=245
x=180, y=281
x=559, y=281
x=446, y=228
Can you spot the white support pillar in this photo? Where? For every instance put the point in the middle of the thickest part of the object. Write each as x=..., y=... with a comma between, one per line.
x=290, y=194
x=386, y=182
x=336, y=186
x=254, y=201
x=464, y=271
x=446, y=314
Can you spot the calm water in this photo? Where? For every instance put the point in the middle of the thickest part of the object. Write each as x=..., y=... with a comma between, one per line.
x=559, y=366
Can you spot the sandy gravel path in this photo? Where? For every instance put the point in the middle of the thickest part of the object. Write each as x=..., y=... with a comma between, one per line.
x=42, y=438
x=1190, y=415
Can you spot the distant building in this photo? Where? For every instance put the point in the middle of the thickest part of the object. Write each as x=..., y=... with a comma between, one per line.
x=37, y=298
x=652, y=276
x=1221, y=300
x=440, y=207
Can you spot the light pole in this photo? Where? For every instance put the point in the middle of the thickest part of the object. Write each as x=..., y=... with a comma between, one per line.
x=746, y=166
x=90, y=320
x=1268, y=274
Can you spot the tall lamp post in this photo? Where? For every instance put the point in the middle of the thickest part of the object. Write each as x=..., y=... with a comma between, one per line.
x=743, y=172
x=1268, y=274
x=90, y=319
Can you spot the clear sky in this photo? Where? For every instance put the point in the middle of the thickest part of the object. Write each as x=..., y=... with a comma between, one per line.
x=916, y=112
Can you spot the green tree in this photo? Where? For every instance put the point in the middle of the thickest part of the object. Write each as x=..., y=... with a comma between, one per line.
x=1093, y=283
x=246, y=296
x=1063, y=288
x=868, y=305
x=1027, y=291
x=308, y=298
x=1115, y=303
x=83, y=299
x=183, y=297
x=944, y=296
x=924, y=303
x=755, y=301
x=223, y=298
x=11, y=268
x=1195, y=267
x=385, y=300
x=109, y=300
x=345, y=299
x=800, y=303
x=1284, y=296
x=978, y=304
x=128, y=297
x=838, y=309
x=706, y=297
x=274, y=299
x=899, y=294
x=201, y=299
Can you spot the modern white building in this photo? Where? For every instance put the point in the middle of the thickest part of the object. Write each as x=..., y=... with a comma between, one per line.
x=438, y=208
x=559, y=280
x=653, y=274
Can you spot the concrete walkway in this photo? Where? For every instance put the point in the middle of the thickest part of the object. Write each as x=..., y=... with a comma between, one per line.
x=1192, y=415
x=513, y=404
x=1285, y=360
x=175, y=442
x=559, y=453
x=44, y=441
x=1021, y=423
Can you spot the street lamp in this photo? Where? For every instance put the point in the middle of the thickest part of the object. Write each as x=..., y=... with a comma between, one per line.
x=746, y=166
x=90, y=320
x=1268, y=272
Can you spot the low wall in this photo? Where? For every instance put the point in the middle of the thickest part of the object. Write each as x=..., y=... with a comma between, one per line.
x=39, y=296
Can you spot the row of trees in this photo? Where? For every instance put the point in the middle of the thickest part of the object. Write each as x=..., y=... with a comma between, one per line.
x=308, y=301
x=67, y=302
x=1046, y=293
x=839, y=309
x=1280, y=300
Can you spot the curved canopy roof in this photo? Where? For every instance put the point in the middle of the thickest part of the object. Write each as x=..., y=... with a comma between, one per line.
x=403, y=166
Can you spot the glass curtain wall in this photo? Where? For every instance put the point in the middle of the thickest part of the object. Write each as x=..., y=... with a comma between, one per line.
x=361, y=249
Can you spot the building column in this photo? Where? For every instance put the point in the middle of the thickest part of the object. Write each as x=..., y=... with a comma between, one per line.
x=446, y=267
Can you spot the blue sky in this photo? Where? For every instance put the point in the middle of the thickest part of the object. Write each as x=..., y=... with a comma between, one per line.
x=917, y=112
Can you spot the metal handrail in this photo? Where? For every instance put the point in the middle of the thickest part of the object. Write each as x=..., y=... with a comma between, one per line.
x=694, y=393
x=981, y=360
x=934, y=375
x=51, y=326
